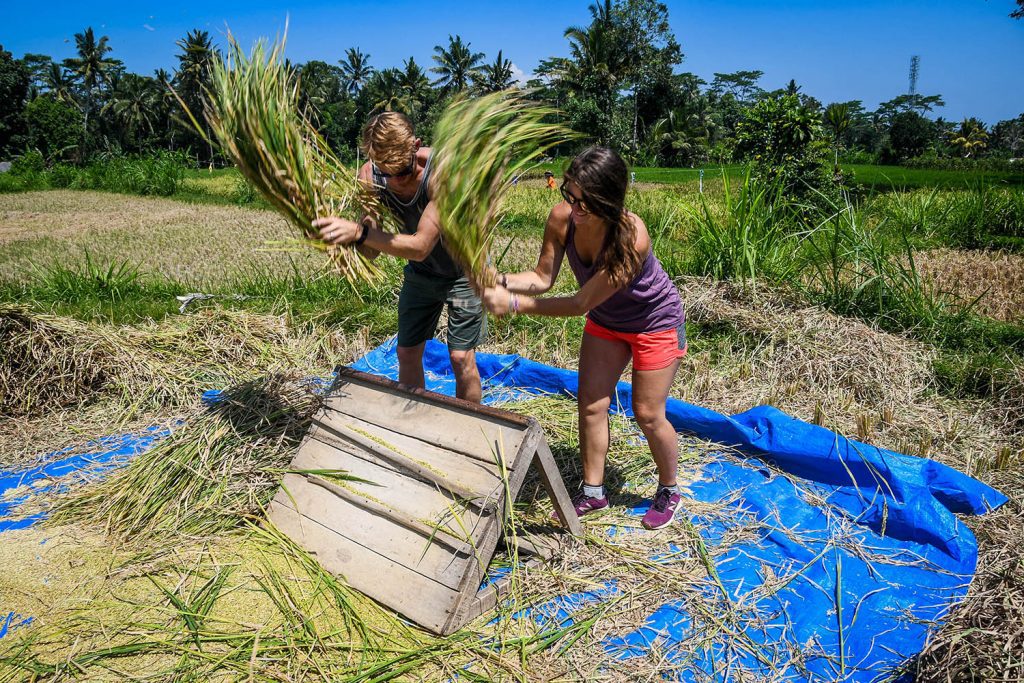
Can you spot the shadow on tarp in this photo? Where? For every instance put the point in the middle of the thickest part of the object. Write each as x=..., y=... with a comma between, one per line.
x=859, y=552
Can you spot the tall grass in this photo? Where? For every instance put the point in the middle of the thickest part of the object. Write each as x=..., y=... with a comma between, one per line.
x=157, y=174
x=749, y=235
x=855, y=268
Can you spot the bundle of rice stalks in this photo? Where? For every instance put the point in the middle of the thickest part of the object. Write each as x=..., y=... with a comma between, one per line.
x=50, y=363
x=252, y=107
x=211, y=474
x=483, y=144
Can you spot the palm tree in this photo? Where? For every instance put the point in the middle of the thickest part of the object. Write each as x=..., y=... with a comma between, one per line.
x=385, y=92
x=971, y=137
x=356, y=70
x=496, y=76
x=455, y=65
x=837, y=118
x=193, y=75
x=414, y=82
x=92, y=66
x=59, y=83
x=134, y=105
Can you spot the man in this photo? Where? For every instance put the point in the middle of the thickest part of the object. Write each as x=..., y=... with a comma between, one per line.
x=399, y=168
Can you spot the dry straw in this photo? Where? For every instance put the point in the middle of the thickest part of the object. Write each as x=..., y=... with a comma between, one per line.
x=252, y=106
x=483, y=144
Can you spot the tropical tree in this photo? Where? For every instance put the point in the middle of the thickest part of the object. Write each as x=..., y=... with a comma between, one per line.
x=971, y=137
x=494, y=76
x=92, y=67
x=415, y=86
x=134, y=106
x=456, y=65
x=193, y=76
x=14, y=85
x=319, y=84
x=385, y=93
x=910, y=134
x=742, y=85
x=356, y=70
x=54, y=126
x=60, y=83
x=837, y=119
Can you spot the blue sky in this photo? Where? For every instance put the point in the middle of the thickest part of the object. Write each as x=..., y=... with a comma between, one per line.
x=971, y=52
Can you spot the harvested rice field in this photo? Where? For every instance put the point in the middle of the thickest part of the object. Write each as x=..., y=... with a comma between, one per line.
x=155, y=562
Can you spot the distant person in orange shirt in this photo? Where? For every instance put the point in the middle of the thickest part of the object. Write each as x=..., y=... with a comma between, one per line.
x=550, y=178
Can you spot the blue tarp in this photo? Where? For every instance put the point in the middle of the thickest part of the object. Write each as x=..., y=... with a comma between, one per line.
x=861, y=544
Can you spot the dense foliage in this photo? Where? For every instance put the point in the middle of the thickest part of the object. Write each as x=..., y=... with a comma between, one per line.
x=619, y=83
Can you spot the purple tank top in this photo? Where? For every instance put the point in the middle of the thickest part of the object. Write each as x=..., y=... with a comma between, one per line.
x=650, y=303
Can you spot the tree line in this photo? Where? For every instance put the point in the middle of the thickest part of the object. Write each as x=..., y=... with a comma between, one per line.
x=619, y=85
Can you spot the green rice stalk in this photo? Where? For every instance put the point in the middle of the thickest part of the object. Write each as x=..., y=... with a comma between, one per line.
x=483, y=144
x=252, y=106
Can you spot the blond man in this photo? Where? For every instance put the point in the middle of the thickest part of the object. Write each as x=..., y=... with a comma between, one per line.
x=399, y=169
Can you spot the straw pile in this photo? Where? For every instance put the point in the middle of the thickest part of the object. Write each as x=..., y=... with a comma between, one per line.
x=484, y=143
x=211, y=474
x=252, y=107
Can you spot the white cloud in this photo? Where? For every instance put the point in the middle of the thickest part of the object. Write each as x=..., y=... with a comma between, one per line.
x=148, y=27
x=520, y=76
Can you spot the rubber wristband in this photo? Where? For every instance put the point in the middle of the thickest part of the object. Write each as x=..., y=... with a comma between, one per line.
x=363, y=234
x=504, y=280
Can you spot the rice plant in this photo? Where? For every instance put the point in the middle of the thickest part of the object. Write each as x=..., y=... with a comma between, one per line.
x=483, y=144
x=252, y=106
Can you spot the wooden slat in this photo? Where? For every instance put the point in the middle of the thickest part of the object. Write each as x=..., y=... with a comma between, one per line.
x=477, y=476
x=402, y=546
x=400, y=460
x=473, y=435
x=475, y=572
x=414, y=498
x=424, y=601
x=553, y=484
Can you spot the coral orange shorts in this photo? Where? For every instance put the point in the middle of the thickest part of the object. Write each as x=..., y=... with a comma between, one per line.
x=651, y=350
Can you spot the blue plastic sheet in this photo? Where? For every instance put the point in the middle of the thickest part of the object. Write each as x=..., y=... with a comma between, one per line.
x=862, y=544
x=865, y=541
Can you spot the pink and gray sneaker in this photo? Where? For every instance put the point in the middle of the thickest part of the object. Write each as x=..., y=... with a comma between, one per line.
x=663, y=509
x=585, y=504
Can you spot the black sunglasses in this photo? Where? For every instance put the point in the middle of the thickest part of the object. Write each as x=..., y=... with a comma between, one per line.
x=408, y=170
x=570, y=197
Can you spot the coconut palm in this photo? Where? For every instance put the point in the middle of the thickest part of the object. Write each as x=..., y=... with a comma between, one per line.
x=195, y=63
x=971, y=137
x=495, y=76
x=456, y=65
x=356, y=70
x=837, y=118
x=92, y=67
x=385, y=92
x=59, y=83
x=416, y=86
x=134, y=104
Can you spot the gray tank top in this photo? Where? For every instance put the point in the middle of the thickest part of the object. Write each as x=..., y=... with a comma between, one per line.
x=650, y=303
x=438, y=263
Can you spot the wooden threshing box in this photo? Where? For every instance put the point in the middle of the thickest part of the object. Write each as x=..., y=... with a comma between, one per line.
x=442, y=474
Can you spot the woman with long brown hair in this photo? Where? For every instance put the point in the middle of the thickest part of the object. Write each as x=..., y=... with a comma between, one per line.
x=633, y=312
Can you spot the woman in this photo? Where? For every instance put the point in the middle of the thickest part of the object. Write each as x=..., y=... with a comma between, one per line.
x=633, y=311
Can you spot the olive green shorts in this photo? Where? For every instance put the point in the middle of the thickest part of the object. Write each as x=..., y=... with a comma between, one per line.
x=419, y=308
